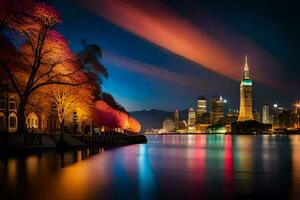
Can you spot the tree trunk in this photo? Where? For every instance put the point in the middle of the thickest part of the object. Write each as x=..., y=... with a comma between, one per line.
x=62, y=124
x=21, y=118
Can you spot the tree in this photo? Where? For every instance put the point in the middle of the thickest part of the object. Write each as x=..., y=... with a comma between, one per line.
x=109, y=99
x=111, y=118
x=90, y=59
x=75, y=122
x=45, y=56
x=67, y=100
x=11, y=11
x=133, y=125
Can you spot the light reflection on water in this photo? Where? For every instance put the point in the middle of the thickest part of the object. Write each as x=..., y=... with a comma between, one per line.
x=176, y=166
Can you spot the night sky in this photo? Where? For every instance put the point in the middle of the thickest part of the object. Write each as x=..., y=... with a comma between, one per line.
x=164, y=54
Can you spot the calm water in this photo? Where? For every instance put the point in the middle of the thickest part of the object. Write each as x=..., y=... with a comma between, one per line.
x=169, y=167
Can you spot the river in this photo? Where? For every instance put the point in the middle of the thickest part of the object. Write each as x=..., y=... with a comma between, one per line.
x=168, y=167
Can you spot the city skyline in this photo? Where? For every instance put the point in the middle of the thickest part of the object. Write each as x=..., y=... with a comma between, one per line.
x=168, y=79
x=155, y=99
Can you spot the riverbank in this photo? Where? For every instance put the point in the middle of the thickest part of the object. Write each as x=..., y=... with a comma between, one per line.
x=264, y=133
x=53, y=141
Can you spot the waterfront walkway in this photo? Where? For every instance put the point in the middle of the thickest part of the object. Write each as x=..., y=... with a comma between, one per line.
x=41, y=141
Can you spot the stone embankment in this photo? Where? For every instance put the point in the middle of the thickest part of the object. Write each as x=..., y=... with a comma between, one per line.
x=45, y=141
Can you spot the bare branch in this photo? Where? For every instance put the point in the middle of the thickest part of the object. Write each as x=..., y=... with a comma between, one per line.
x=48, y=72
x=56, y=83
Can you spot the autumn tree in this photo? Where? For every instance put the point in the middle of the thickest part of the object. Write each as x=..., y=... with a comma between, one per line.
x=133, y=125
x=11, y=11
x=110, y=100
x=110, y=118
x=68, y=99
x=45, y=58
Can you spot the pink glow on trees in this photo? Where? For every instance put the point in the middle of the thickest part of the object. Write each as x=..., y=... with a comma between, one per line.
x=11, y=11
x=121, y=119
x=103, y=114
x=133, y=125
x=110, y=118
x=46, y=14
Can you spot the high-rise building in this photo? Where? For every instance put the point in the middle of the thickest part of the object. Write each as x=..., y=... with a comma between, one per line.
x=233, y=113
x=217, y=110
x=276, y=110
x=246, y=95
x=266, y=114
x=168, y=125
x=297, y=112
x=287, y=119
x=191, y=117
x=176, y=119
x=212, y=107
x=201, y=108
x=256, y=115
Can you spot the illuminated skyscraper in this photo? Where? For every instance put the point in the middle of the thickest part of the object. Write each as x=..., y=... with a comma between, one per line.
x=176, y=119
x=276, y=110
x=246, y=95
x=191, y=117
x=297, y=112
x=266, y=114
x=201, y=106
x=168, y=125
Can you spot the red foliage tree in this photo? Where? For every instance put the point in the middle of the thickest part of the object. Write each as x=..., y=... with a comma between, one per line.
x=133, y=125
x=45, y=58
x=110, y=118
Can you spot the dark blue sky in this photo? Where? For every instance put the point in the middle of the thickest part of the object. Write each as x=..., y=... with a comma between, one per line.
x=270, y=25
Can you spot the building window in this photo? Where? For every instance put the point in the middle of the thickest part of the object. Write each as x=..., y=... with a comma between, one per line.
x=12, y=105
x=2, y=122
x=12, y=122
x=2, y=104
x=36, y=122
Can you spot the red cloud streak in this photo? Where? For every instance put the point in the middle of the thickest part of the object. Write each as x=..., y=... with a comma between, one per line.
x=174, y=33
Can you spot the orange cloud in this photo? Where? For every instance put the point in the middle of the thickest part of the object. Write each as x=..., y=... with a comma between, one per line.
x=170, y=31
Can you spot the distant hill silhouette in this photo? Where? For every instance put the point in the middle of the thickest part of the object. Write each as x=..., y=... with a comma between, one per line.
x=154, y=118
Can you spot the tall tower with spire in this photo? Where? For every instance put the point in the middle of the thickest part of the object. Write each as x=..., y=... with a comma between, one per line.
x=246, y=95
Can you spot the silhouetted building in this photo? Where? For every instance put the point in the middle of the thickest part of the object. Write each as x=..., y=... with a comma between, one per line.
x=276, y=110
x=232, y=116
x=256, y=115
x=217, y=110
x=287, y=119
x=204, y=119
x=250, y=127
x=233, y=113
x=246, y=95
